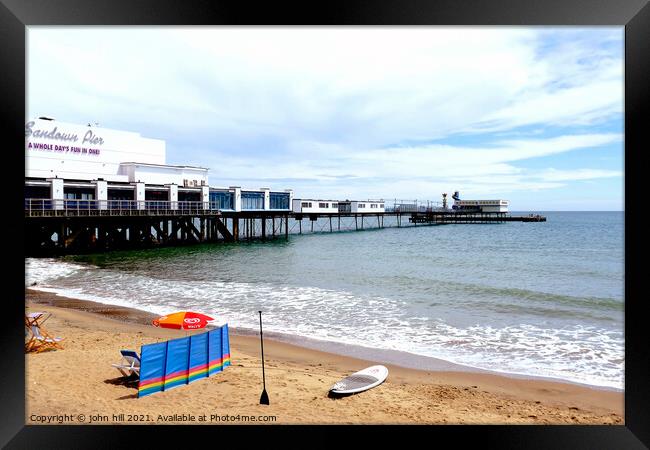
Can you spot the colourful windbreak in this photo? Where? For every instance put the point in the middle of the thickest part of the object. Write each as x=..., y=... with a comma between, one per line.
x=180, y=361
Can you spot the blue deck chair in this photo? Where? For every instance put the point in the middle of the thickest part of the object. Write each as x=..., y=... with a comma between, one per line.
x=130, y=364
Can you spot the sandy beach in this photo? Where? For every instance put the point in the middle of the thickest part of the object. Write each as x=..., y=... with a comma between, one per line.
x=78, y=385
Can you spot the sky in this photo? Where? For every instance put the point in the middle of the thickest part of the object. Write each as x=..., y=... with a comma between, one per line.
x=533, y=115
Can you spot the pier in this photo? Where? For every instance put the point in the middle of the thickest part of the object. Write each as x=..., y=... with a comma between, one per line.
x=56, y=227
x=122, y=194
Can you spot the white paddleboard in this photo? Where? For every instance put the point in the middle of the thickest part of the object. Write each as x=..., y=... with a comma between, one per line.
x=361, y=381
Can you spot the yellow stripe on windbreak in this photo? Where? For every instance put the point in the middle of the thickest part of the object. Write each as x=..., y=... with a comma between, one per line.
x=216, y=366
x=150, y=386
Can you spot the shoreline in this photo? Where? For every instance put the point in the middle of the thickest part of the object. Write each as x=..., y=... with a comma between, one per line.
x=301, y=376
x=404, y=359
x=379, y=356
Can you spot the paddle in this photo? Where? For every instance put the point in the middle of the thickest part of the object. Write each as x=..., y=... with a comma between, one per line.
x=264, y=399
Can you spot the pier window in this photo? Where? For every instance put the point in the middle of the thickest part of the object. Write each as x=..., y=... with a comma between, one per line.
x=79, y=195
x=189, y=196
x=252, y=200
x=156, y=199
x=373, y=205
x=221, y=200
x=79, y=198
x=335, y=205
x=40, y=192
x=306, y=204
x=37, y=197
x=120, y=198
x=362, y=205
x=278, y=200
x=323, y=205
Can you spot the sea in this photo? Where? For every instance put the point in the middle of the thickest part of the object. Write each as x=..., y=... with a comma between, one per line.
x=528, y=299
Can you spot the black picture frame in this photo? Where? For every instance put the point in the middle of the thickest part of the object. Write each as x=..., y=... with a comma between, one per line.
x=15, y=15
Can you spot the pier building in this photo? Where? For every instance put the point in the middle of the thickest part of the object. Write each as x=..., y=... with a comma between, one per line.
x=313, y=206
x=484, y=206
x=85, y=166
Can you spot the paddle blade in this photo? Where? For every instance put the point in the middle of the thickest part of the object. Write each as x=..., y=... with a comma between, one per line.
x=264, y=399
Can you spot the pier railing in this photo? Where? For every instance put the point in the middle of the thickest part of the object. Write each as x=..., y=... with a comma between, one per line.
x=36, y=207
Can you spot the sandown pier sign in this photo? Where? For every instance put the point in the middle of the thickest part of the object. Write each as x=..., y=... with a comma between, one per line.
x=61, y=137
x=89, y=138
x=82, y=152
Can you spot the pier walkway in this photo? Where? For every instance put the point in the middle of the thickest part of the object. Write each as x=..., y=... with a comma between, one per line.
x=82, y=226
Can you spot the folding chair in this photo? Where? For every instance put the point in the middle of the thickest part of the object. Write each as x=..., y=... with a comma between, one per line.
x=40, y=340
x=34, y=318
x=130, y=364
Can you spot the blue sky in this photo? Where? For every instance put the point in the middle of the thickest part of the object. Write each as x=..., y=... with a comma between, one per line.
x=533, y=115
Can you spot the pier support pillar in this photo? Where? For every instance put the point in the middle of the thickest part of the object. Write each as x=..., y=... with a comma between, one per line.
x=286, y=227
x=101, y=237
x=61, y=239
x=175, y=229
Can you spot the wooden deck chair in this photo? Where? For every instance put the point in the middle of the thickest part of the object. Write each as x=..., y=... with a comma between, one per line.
x=130, y=364
x=41, y=340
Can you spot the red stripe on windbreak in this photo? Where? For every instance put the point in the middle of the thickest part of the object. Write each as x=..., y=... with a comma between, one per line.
x=178, y=373
x=215, y=361
x=200, y=366
x=150, y=380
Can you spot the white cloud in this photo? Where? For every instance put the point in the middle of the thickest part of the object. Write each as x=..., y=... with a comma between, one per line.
x=578, y=174
x=362, y=87
x=405, y=170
